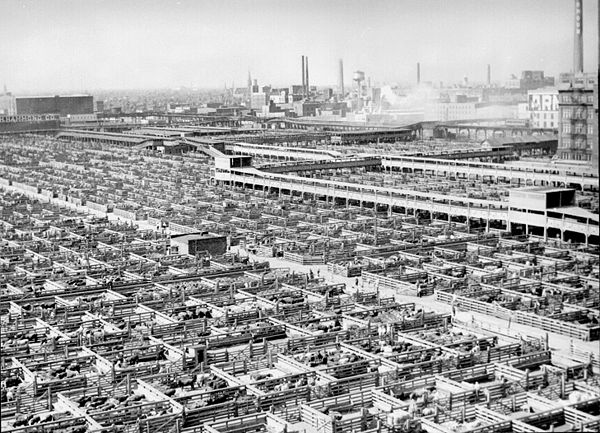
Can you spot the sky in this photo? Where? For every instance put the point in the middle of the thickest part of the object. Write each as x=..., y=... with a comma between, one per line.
x=79, y=45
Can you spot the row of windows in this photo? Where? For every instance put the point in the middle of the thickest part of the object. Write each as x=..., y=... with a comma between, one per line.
x=576, y=99
x=544, y=124
x=568, y=143
x=546, y=115
x=579, y=128
x=576, y=156
x=577, y=113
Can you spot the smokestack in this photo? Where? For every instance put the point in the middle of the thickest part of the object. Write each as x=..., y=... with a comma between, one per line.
x=303, y=78
x=307, y=82
x=341, y=78
x=418, y=73
x=489, y=76
x=578, y=48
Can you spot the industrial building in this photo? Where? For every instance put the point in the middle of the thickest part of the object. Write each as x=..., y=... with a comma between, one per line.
x=62, y=105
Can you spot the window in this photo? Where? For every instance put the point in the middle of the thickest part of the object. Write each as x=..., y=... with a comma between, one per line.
x=591, y=114
x=567, y=113
x=566, y=128
x=590, y=129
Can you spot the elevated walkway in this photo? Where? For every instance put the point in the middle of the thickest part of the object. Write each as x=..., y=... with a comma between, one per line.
x=206, y=146
x=284, y=152
x=332, y=164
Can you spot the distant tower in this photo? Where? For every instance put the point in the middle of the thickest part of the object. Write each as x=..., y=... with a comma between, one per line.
x=578, y=48
x=489, y=75
x=307, y=82
x=303, y=78
x=418, y=73
x=341, y=78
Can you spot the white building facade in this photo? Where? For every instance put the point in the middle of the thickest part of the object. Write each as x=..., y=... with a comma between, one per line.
x=542, y=105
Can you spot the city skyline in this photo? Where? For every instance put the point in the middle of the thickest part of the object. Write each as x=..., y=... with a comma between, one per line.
x=61, y=45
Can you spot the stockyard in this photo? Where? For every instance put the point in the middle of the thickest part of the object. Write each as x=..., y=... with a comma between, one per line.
x=217, y=285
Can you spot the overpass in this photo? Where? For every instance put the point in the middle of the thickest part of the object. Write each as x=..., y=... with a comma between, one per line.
x=281, y=151
x=331, y=164
x=373, y=136
x=475, y=131
x=199, y=119
x=316, y=124
x=290, y=138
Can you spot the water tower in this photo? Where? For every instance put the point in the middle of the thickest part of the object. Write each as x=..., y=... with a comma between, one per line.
x=359, y=77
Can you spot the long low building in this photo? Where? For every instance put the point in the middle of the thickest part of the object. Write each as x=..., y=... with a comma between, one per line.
x=545, y=175
x=281, y=151
x=107, y=137
x=374, y=136
x=561, y=218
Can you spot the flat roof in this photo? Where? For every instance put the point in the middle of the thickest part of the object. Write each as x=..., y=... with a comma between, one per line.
x=541, y=189
x=374, y=131
x=105, y=136
x=77, y=95
x=575, y=211
x=500, y=141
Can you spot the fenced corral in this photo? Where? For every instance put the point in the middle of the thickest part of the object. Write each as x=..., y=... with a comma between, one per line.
x=111, y=322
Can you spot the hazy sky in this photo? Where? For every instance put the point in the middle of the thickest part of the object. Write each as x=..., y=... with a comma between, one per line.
x=58, y=45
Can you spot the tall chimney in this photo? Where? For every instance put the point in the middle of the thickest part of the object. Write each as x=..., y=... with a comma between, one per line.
x=303, y=78
x=578, y=48
x=307, y=82
x=489, y=76
x=341, y=78
x=418, y=73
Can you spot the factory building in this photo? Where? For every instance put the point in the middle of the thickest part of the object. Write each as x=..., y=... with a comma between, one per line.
x=458, y=107
x=62, y=105
x=529, y=80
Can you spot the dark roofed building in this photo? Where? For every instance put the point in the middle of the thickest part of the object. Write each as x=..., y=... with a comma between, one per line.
x=62, y=105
